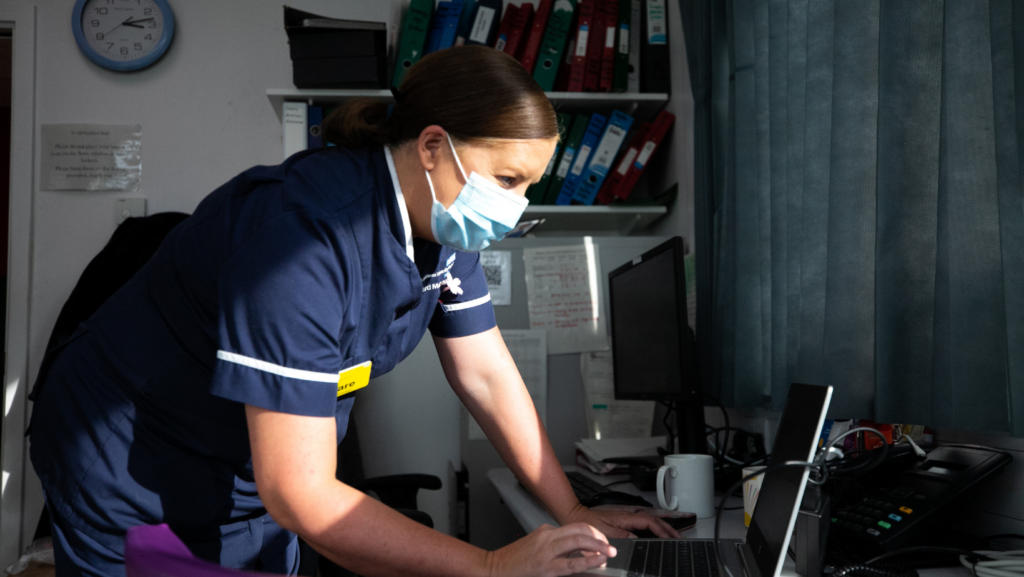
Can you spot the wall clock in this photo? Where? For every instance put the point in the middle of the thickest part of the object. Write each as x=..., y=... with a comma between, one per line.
x=123, y=35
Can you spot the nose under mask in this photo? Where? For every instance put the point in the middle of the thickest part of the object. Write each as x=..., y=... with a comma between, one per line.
x=483, y=212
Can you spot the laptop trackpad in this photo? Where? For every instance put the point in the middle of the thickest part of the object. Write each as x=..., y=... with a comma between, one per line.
x=617, y=565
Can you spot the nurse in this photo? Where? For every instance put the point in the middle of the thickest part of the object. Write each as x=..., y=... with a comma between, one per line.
x=211, y=391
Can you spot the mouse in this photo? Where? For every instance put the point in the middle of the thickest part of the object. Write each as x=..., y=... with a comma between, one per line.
x=616, y=498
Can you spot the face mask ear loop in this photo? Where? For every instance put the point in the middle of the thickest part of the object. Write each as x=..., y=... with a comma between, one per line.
x=457, y=161
x=431, y=184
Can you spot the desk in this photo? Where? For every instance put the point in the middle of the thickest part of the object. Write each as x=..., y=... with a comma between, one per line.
x=531, y=515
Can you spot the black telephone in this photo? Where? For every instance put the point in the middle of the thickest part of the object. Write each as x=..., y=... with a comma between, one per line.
x=887, y=509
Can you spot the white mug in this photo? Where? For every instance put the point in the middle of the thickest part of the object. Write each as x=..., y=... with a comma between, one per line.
x=691, y=485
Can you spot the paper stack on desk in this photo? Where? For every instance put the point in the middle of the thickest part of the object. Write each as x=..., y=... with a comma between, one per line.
x=592, y=454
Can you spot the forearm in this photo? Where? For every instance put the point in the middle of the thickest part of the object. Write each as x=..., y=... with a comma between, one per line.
x=369, y=538
x=484, y=376
x=522, y=442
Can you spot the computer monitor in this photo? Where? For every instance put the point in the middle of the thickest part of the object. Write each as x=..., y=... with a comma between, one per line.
x=652, y=344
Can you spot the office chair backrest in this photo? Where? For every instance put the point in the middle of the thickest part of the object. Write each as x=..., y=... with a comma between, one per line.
x=155, y=551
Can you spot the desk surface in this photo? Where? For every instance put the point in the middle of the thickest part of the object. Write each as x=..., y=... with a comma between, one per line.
x=531, y=515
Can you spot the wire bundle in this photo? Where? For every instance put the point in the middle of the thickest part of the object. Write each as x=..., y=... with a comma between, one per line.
x=995, y=563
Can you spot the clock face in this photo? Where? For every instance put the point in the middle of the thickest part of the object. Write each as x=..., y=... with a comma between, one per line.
x=123, y=30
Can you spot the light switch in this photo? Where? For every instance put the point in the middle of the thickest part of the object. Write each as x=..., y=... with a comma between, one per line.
x=126, y=208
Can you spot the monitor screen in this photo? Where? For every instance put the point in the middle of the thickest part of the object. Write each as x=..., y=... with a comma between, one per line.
x=652, y=347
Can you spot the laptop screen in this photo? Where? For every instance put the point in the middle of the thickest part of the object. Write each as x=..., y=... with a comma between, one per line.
x=783, y=489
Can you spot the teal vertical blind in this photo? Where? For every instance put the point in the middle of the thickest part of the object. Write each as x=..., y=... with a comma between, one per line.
x=859, y=205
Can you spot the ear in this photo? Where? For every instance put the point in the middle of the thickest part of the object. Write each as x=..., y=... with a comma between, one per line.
x=429, y=145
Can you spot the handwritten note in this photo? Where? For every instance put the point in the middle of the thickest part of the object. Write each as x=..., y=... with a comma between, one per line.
x=91, y=157
x=529, y=351
x=562, y=291
x=607, y=417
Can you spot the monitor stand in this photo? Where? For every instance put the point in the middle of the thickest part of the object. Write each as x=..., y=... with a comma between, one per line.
x=690, y=428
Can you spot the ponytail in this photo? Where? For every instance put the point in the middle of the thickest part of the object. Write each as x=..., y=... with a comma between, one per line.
x=358, y=123
x=473, y=92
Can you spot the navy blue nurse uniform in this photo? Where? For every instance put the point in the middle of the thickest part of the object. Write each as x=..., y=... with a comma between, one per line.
x=281, y=279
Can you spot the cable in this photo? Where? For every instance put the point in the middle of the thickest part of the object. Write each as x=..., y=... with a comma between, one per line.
x=665, y=421
x=924, y=549
x=999, y=563
x=865, y=571
x=827, y=448
x=991, y=538
x=721, y=453
x=725, y=417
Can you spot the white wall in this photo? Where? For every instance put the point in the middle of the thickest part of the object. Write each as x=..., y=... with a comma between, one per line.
x=204, y=115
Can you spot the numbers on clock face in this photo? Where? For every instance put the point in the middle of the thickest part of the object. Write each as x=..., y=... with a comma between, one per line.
x=122, y=30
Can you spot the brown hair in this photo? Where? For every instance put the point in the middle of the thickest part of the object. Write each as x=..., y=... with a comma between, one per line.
x=473, y=92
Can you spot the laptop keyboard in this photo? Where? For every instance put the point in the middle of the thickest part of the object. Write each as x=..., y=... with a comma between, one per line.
x=673, y=559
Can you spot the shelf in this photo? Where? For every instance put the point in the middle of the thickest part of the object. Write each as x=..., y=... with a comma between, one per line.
x=576, y=220
x=637, y=104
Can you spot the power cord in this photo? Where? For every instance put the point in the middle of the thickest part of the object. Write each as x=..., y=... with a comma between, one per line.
x=995, y=563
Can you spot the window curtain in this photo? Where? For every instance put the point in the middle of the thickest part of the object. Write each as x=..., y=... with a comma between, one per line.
x=858, y=205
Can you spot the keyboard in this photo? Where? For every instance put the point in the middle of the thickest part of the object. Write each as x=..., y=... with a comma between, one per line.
x=673, y=559
x=584, y=486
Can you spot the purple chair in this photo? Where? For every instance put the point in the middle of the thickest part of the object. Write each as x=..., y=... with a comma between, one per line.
x=154, y=551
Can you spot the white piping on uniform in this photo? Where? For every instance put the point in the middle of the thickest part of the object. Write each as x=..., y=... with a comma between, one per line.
x=277, y=369
x=406, y=223
x=467, y=305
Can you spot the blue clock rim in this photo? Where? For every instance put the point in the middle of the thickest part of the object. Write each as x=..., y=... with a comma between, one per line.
x=131, y=65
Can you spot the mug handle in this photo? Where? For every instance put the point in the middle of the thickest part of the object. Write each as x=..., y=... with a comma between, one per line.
x=661, y=488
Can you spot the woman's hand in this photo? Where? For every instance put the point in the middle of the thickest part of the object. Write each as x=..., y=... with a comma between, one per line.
x=551, y=552
x=618, y=521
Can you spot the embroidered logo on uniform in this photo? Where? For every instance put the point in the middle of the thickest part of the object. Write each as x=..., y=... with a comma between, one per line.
x=430, y=284
x=454, y=284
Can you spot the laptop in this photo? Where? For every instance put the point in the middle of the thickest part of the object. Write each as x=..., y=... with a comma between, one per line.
x=763, y=551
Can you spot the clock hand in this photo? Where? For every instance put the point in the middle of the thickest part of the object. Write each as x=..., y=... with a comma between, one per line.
x=133, y=23
x=118, y=26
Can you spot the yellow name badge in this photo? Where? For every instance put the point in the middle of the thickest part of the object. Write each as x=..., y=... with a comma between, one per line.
x=354, y=378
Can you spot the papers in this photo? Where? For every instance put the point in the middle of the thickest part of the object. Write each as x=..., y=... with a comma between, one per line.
x=497, y=265
x=608, y=418
x=529, y=351
x=91, y=157
x=592, y=453
x=562, y=291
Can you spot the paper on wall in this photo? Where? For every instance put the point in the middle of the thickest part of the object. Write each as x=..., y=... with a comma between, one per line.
x=91, y=157
x=529, y=351
x=563, y=297
x=497, y=265
x=608, y=418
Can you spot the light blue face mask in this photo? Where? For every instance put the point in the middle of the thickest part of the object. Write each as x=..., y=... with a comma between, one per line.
x=482, y=212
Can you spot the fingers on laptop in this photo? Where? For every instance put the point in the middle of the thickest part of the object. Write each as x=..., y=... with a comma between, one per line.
x=578, y=547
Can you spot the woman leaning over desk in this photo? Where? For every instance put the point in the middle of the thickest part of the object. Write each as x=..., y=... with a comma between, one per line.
x=211, y=391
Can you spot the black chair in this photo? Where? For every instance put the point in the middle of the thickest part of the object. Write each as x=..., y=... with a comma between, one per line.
x=133, y=243
x=396, y=491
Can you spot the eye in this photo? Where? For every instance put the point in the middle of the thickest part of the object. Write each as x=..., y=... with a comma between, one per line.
x=507, y=181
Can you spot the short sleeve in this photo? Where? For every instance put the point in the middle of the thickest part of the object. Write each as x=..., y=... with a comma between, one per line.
x=465, y=304
x=281, y=305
